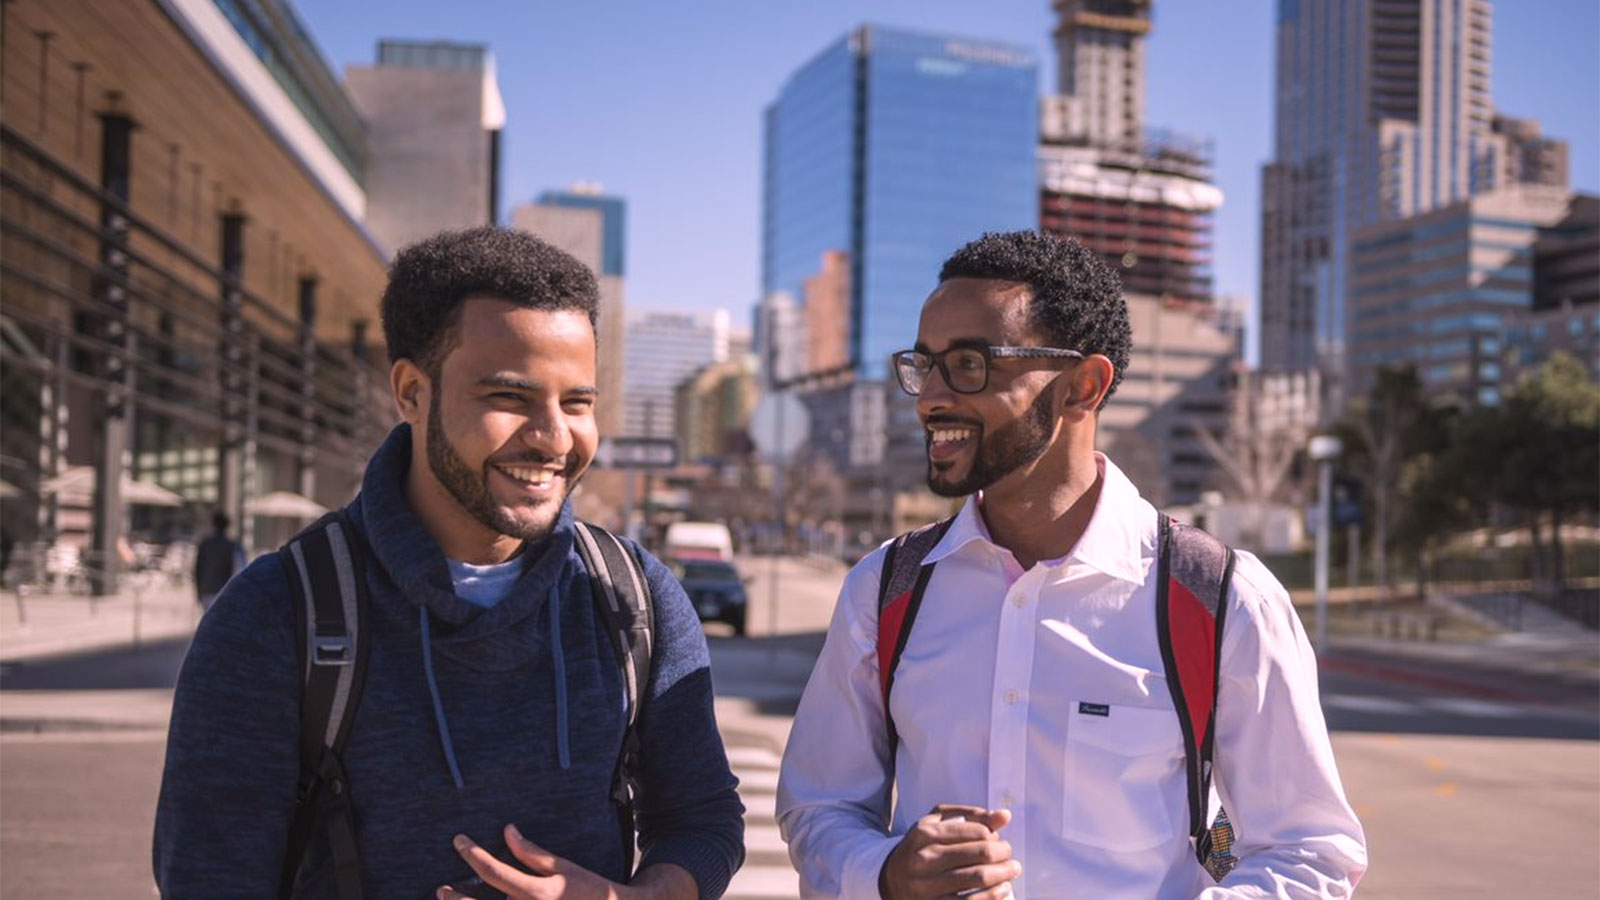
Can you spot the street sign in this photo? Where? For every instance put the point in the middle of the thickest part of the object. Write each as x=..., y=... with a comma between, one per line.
x=637, y=453
x=779, y=425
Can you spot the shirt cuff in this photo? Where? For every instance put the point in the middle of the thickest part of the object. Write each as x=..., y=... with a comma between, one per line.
x=859, y=880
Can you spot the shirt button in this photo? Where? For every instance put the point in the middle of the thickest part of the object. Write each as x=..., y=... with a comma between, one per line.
x=1011, y=696
x=1005, y=799
x=1018, y=600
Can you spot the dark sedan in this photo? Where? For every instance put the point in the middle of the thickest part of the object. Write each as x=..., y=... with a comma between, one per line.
x=715, y=589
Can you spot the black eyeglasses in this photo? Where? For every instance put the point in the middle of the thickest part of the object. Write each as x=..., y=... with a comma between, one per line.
x=965, y=369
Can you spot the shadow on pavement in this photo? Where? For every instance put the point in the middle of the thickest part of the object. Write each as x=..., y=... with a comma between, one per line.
x=1469, y=690
x=151, y=665
x=770, y=672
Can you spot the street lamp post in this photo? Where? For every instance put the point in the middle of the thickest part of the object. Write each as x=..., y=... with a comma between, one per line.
x=1324, y=449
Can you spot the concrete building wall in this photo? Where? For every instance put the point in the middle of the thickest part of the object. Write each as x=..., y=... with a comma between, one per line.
x=1178, y=378
x=827, y=314
x=429, y=164
x=581, y=232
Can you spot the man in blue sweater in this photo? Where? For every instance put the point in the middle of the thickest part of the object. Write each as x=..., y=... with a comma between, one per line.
x=482, y=754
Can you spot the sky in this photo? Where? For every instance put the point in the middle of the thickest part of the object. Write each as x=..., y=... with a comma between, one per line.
x=661, y=102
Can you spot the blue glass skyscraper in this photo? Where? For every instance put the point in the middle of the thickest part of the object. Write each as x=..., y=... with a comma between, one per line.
x=891, y=149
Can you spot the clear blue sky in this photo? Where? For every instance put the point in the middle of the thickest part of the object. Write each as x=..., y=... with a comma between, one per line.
x=662, y=101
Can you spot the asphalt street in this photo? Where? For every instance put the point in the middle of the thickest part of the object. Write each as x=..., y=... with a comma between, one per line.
x=1472, y=780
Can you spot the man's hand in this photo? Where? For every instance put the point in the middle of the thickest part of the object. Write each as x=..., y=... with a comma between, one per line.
x=951, y=851
x=550, y=877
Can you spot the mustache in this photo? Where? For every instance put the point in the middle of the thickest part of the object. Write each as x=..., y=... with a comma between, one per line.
x=946, y=421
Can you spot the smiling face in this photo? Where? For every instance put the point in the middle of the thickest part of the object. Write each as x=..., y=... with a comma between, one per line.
x=503, y=435
x=976, y=441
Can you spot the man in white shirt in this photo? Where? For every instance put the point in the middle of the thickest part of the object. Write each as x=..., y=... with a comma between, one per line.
x=1038, y=752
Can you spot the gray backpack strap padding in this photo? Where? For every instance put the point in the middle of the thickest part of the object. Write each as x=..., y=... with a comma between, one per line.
x=622, y=592
x=326, y=574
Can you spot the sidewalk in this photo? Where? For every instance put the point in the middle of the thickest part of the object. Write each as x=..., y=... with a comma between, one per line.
x=758, y=680
x=38, y=628
x=40, y=625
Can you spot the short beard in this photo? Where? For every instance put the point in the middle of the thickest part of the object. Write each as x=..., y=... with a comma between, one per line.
x=1012, y=446
x=471, y=489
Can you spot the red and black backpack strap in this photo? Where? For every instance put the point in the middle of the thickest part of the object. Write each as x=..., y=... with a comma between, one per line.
x=900, y=587
x=1191, y=607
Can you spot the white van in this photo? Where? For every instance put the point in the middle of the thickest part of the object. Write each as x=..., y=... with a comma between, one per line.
x=698, y=540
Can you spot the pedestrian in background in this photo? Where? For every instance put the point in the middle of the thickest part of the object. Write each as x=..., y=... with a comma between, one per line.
x=491, y=734
x=215, y=561
x=1026, y=721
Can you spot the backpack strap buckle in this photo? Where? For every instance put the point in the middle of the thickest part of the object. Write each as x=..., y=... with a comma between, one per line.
x=332, y=650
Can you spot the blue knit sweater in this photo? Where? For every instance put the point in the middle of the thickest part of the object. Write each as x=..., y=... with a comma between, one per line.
x=531, y=697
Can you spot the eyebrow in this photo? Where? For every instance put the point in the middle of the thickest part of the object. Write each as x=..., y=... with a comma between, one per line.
x=973, y=342
x=523, y=384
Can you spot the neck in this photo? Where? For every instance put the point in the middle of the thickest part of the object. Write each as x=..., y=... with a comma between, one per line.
x=1041, y=515
x=459, y=534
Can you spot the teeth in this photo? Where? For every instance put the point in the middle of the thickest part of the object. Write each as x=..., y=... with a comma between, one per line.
x=532, y=476
x=945, y=435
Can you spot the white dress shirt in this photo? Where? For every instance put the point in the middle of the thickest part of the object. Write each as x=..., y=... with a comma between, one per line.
x=986, y=702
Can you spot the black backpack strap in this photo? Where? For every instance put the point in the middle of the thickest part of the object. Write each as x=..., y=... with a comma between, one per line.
x=325, y=568
x=1194, y=571
x=901, y=584
x=622, y=592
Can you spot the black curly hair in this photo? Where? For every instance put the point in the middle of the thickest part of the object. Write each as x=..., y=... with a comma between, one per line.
x=429, y=280
x=1077, y=299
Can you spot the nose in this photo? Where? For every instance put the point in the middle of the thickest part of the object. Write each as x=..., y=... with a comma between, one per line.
x=935, y=395
x=547, y=432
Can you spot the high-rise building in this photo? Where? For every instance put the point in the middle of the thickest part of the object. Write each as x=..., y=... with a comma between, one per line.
x=1439, y=290
x=779, y=337
x=662, y=349
x=433, y=114
x=1141, y=199
x=1528, y=157
x=1100, y=69
x=589, y=225
x=713, y=409
x=889, y=150
x=1383, y=111
x=883, y=155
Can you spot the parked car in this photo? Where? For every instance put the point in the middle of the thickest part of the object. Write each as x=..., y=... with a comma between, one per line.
x=698, y=540
x=715, y=589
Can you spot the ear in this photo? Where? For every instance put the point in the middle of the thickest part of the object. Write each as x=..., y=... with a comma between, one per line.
x=413, y=391
x=1090, y=380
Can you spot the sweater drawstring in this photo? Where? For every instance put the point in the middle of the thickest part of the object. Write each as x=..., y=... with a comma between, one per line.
x=438, y=708
x=560, y=659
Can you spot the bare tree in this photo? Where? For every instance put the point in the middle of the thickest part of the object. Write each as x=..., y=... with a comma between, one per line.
x=1259, y=447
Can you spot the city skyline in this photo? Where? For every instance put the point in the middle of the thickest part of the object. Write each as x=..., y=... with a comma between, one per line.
x=682, y=143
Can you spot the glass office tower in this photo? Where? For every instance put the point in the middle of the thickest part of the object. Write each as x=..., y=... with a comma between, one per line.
x=891, y=149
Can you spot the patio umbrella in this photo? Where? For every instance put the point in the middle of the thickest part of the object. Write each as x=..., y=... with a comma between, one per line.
x=284, y=505
x=76, y=485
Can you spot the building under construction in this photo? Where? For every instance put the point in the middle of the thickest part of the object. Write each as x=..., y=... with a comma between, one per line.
x=189, y=293
x=1142, y=199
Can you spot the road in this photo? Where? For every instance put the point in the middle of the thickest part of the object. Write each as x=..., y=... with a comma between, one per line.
x=1466, y=789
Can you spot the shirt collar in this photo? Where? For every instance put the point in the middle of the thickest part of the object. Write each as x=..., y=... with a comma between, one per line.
x=1118, y=541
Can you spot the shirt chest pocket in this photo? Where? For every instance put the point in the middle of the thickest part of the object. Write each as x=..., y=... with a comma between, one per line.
x=1123, y=776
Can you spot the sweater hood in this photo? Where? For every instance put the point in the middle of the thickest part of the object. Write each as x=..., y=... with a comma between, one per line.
x=413, y=574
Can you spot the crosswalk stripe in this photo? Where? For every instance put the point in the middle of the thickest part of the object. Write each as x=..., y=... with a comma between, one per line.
x=1468, y=707
x=766, y=874
x=753, y=758
x=1363, y=703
